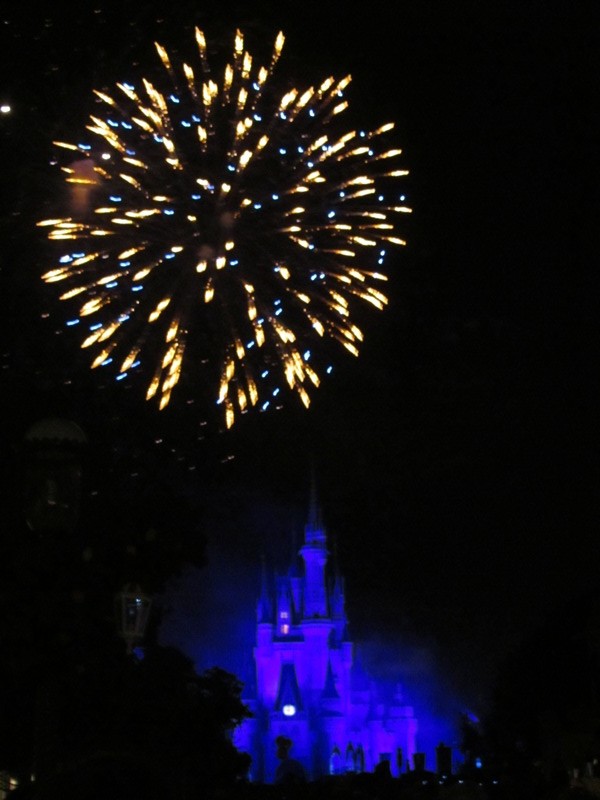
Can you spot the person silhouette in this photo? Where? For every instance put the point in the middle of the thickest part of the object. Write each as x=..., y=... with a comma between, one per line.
x=289, y=770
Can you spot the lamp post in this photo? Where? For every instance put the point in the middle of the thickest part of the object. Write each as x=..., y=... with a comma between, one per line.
x=133, y=610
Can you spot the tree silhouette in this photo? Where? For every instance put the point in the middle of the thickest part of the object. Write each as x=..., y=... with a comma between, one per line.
x=74, y=702
x=546, y=709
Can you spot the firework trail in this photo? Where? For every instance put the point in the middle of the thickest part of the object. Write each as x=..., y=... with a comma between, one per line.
x=224, y=229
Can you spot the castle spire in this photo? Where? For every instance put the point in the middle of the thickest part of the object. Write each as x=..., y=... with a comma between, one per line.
x=294, y=564
x=264, y=607
x=314, y=552
x=314, y=530
x=314, y=515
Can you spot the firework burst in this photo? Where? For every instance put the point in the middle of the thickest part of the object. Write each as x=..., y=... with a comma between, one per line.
x=224, y=228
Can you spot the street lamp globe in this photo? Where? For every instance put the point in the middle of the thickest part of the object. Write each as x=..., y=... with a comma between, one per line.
x=133, y=611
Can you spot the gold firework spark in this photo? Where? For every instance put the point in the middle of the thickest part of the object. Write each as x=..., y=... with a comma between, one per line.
x=224, y=224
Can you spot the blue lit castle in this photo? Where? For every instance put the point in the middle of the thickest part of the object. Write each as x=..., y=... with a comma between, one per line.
x=307, y=684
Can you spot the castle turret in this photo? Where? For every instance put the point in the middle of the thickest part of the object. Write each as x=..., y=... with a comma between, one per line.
x=314, y=553
x=296, y=578
x=264, y=608
x=337, y=601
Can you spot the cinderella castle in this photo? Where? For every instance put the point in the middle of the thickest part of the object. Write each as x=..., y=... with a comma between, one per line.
x=307, y=685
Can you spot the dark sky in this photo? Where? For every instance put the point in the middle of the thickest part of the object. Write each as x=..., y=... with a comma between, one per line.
x=456, y=459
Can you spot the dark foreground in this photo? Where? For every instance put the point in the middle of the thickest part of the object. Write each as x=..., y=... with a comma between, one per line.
x=114, y=785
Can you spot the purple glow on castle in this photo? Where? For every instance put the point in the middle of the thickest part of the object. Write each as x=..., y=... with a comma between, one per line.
x=310, y=681
x=307, y=684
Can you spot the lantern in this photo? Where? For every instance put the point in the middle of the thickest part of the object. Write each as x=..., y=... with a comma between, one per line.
x=133, y=610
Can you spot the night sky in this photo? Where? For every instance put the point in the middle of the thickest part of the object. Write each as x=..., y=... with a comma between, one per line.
x=456, y=459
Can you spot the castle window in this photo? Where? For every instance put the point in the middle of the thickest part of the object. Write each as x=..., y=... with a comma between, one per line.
x=289, y=710
x=285, y=628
